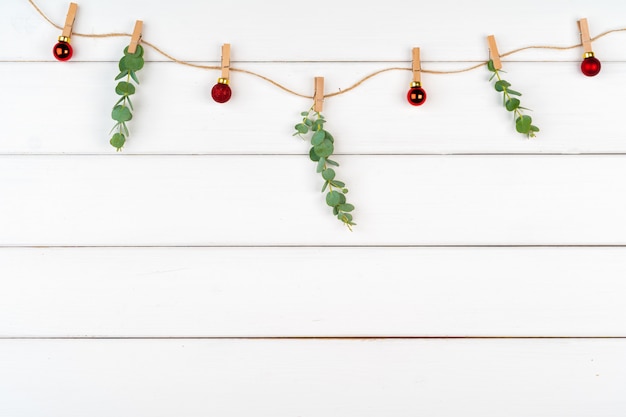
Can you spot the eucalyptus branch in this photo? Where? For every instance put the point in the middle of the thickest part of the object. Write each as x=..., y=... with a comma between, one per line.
x=523, y=123
x=122, y=110
x=322, y=148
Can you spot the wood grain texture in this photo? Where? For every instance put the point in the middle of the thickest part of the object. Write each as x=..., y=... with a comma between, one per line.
x=490, y=378
x=236, y=239
x=276, y=200
x=279, y=30
x=174, y=112
x=268, y=292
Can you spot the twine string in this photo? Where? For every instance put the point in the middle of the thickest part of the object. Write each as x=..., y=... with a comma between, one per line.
x=341, y=91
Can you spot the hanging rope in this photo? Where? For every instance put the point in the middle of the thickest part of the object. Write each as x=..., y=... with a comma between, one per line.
x=282, y=87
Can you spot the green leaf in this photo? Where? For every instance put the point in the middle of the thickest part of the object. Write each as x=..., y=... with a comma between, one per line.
x=121, y=113
x=331, y=162
x=333, y=198
x=513, y=92
x=131, y=63
x=308, y=122
x=302, y=128
x=321, y=164
x=318, y=137
x=328, y=174
x=338, y=184
x=130, y=103
x=501, y=85
x=325, y=185
x=490, y=66
x=314, y=157
x=345, y=207
x=125, y=128
x=118, y=141
x=304, y=113
x=523, y=123
x=534, y=128
x=138, y=51
x=121, y=75
x=330, y=137
x=345, y=217
x=342, y=199
x=335, y=211
x=119, y=101
x=134, y=77
x=512, y=104
x=325, y=148
x=125, y=89
x=318, y=124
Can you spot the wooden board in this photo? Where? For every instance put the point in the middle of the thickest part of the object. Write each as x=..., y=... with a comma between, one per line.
x=276, y=200
x=121, y=273
x=371, y=378
x=176, y=115
x=269, y=292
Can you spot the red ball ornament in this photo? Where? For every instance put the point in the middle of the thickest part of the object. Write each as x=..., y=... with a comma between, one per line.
x=221, y=91
x=590, y=66
x=63, y=50
x=416, y=95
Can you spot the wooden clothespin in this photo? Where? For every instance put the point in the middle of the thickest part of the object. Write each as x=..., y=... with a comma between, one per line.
x=417, y=68
x=136, y=37
x=494, y=55
x=226, y=61
x=69, y=22
x=591, y=65
x=318, y=98
x=63, y=50
x=584, y=36
x=221, y=91
x=416, y=95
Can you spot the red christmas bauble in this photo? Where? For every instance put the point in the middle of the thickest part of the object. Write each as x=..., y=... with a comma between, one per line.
x=221, y=92
x=416, y=96
x=590, y=66
x=62, y=51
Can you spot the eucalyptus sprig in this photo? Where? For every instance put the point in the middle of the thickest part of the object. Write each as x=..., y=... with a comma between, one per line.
x=523, y=122
x=122, y=110
x=322, y=148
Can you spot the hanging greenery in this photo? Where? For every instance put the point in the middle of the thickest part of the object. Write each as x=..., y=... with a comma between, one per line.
x=523, y=122
x=122, y=110
x=322, y=142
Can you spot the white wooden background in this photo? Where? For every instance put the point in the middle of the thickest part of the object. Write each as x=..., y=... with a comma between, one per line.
x=199, y=272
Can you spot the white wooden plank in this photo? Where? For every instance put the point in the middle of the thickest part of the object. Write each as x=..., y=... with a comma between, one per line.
x=276, y=200
x=486, y=378
x=312, y=292
x=67, y=110
x=326, y=30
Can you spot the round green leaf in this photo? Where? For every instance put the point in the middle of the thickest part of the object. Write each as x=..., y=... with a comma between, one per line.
x=131, y=63
x=325, y=148
x=138, y=51
x=314, y=157
x=523, y=123
x=121, y=114
x=302, y=128
x=501, y=85
x=333, y=198
x=318, y=137
x=490, y=66
x=512, y=104
x=328, y=174
x=125, y=89
x=345, y=207
x=118, y=141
